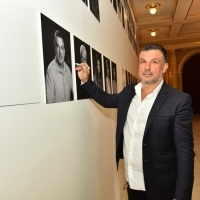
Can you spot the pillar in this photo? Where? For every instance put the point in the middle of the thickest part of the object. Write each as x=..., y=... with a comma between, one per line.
x=173, y=69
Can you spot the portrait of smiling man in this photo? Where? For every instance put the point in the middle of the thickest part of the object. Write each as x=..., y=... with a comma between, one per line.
x=154, y=130
x=58, y=75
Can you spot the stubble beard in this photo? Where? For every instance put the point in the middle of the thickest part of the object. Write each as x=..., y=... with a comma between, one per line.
x=150, y=80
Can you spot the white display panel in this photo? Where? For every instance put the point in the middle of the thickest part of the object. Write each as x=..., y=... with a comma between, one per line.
x=19, y=79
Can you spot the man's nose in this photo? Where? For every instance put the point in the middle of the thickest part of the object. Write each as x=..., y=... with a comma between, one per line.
x=148, y=66
x=60, y=50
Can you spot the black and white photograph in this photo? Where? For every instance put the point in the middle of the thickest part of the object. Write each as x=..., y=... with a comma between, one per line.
x=57, y=62
x=97, y=68
x=85, y=1
x=82, y=55
x=94, y=7
x=107, y=75
x=128, y=78
x=114, y=78
x=119, y=10
x=115, y=5
x=123, y=18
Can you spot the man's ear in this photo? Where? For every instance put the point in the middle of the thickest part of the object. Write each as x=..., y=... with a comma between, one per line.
x=165, y=67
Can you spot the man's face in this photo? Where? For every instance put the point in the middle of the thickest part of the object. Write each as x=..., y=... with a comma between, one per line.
x=98, y=66
x=83, y=56
x=59, y=50
x=151, y=67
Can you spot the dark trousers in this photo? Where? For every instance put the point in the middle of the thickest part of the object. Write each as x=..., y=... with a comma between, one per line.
x=136, y=194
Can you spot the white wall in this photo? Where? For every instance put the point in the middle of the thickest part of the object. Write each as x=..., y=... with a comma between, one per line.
x=63, y=150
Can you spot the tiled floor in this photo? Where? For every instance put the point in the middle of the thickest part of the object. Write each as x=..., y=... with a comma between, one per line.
x=196, y=188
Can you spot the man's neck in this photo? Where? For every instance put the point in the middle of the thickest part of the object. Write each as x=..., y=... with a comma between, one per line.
x=148, y=89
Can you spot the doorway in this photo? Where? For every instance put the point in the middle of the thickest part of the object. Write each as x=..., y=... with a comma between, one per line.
x=191, y=80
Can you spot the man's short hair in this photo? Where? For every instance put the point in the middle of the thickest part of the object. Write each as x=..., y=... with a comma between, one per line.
x=156, y=47
x=58, y=33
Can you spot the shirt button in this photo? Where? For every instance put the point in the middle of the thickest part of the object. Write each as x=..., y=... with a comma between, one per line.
x=145, y=160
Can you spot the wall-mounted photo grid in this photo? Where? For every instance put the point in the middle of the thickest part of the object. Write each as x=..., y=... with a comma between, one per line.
x=58, y=65
x=122, y=8
x=94, y=7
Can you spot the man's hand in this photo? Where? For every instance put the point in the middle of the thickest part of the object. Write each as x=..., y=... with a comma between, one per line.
x=83, y=72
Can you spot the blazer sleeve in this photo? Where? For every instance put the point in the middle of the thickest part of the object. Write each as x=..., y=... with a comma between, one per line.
x=183, y=138
x=104, y=99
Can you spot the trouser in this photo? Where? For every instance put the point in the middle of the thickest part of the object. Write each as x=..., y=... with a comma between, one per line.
x=136, y=194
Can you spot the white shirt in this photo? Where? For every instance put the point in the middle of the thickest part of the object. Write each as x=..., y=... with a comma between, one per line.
x=58, y=83
x=133, y=136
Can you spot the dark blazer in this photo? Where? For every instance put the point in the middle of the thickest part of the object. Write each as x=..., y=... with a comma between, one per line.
x=168, y=156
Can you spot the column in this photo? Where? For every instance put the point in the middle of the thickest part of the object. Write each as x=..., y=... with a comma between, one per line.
x=173, y=69
x=166, y=74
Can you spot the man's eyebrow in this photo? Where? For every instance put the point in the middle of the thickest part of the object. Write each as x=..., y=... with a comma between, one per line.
x=154, y=59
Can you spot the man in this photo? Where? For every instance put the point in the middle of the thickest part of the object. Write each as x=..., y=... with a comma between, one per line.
x=97, y=73
x=154, y=130
x=58, y=76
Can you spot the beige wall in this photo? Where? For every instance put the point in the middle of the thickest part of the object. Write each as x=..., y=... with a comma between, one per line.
x=64, y=150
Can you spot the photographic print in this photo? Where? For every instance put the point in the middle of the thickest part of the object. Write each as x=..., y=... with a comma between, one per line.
x=119, y=10
x=115, y=5
x=107, y=74
x=94, y=7
x=97, y=68
x=82, y=55
x=114, y=78
x=128, y=78
x=123, y=20
x=123, y=77
x=57, y=62
x=85, y=1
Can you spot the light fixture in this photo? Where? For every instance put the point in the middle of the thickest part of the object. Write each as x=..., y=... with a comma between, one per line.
x=153, y=7
x=153, y=32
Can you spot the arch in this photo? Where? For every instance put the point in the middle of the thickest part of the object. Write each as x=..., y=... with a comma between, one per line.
x=180, y=68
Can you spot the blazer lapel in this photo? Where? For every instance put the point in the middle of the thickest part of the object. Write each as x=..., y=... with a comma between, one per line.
x=157, y=104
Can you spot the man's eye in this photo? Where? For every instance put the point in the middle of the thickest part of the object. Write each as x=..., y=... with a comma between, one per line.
x=142, y=61
x=154, y=62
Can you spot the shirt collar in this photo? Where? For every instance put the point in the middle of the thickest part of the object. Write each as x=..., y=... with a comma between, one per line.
x=138, y=87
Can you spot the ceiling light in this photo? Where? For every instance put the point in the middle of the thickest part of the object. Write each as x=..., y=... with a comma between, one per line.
x=153, y=7
x=153, y=32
